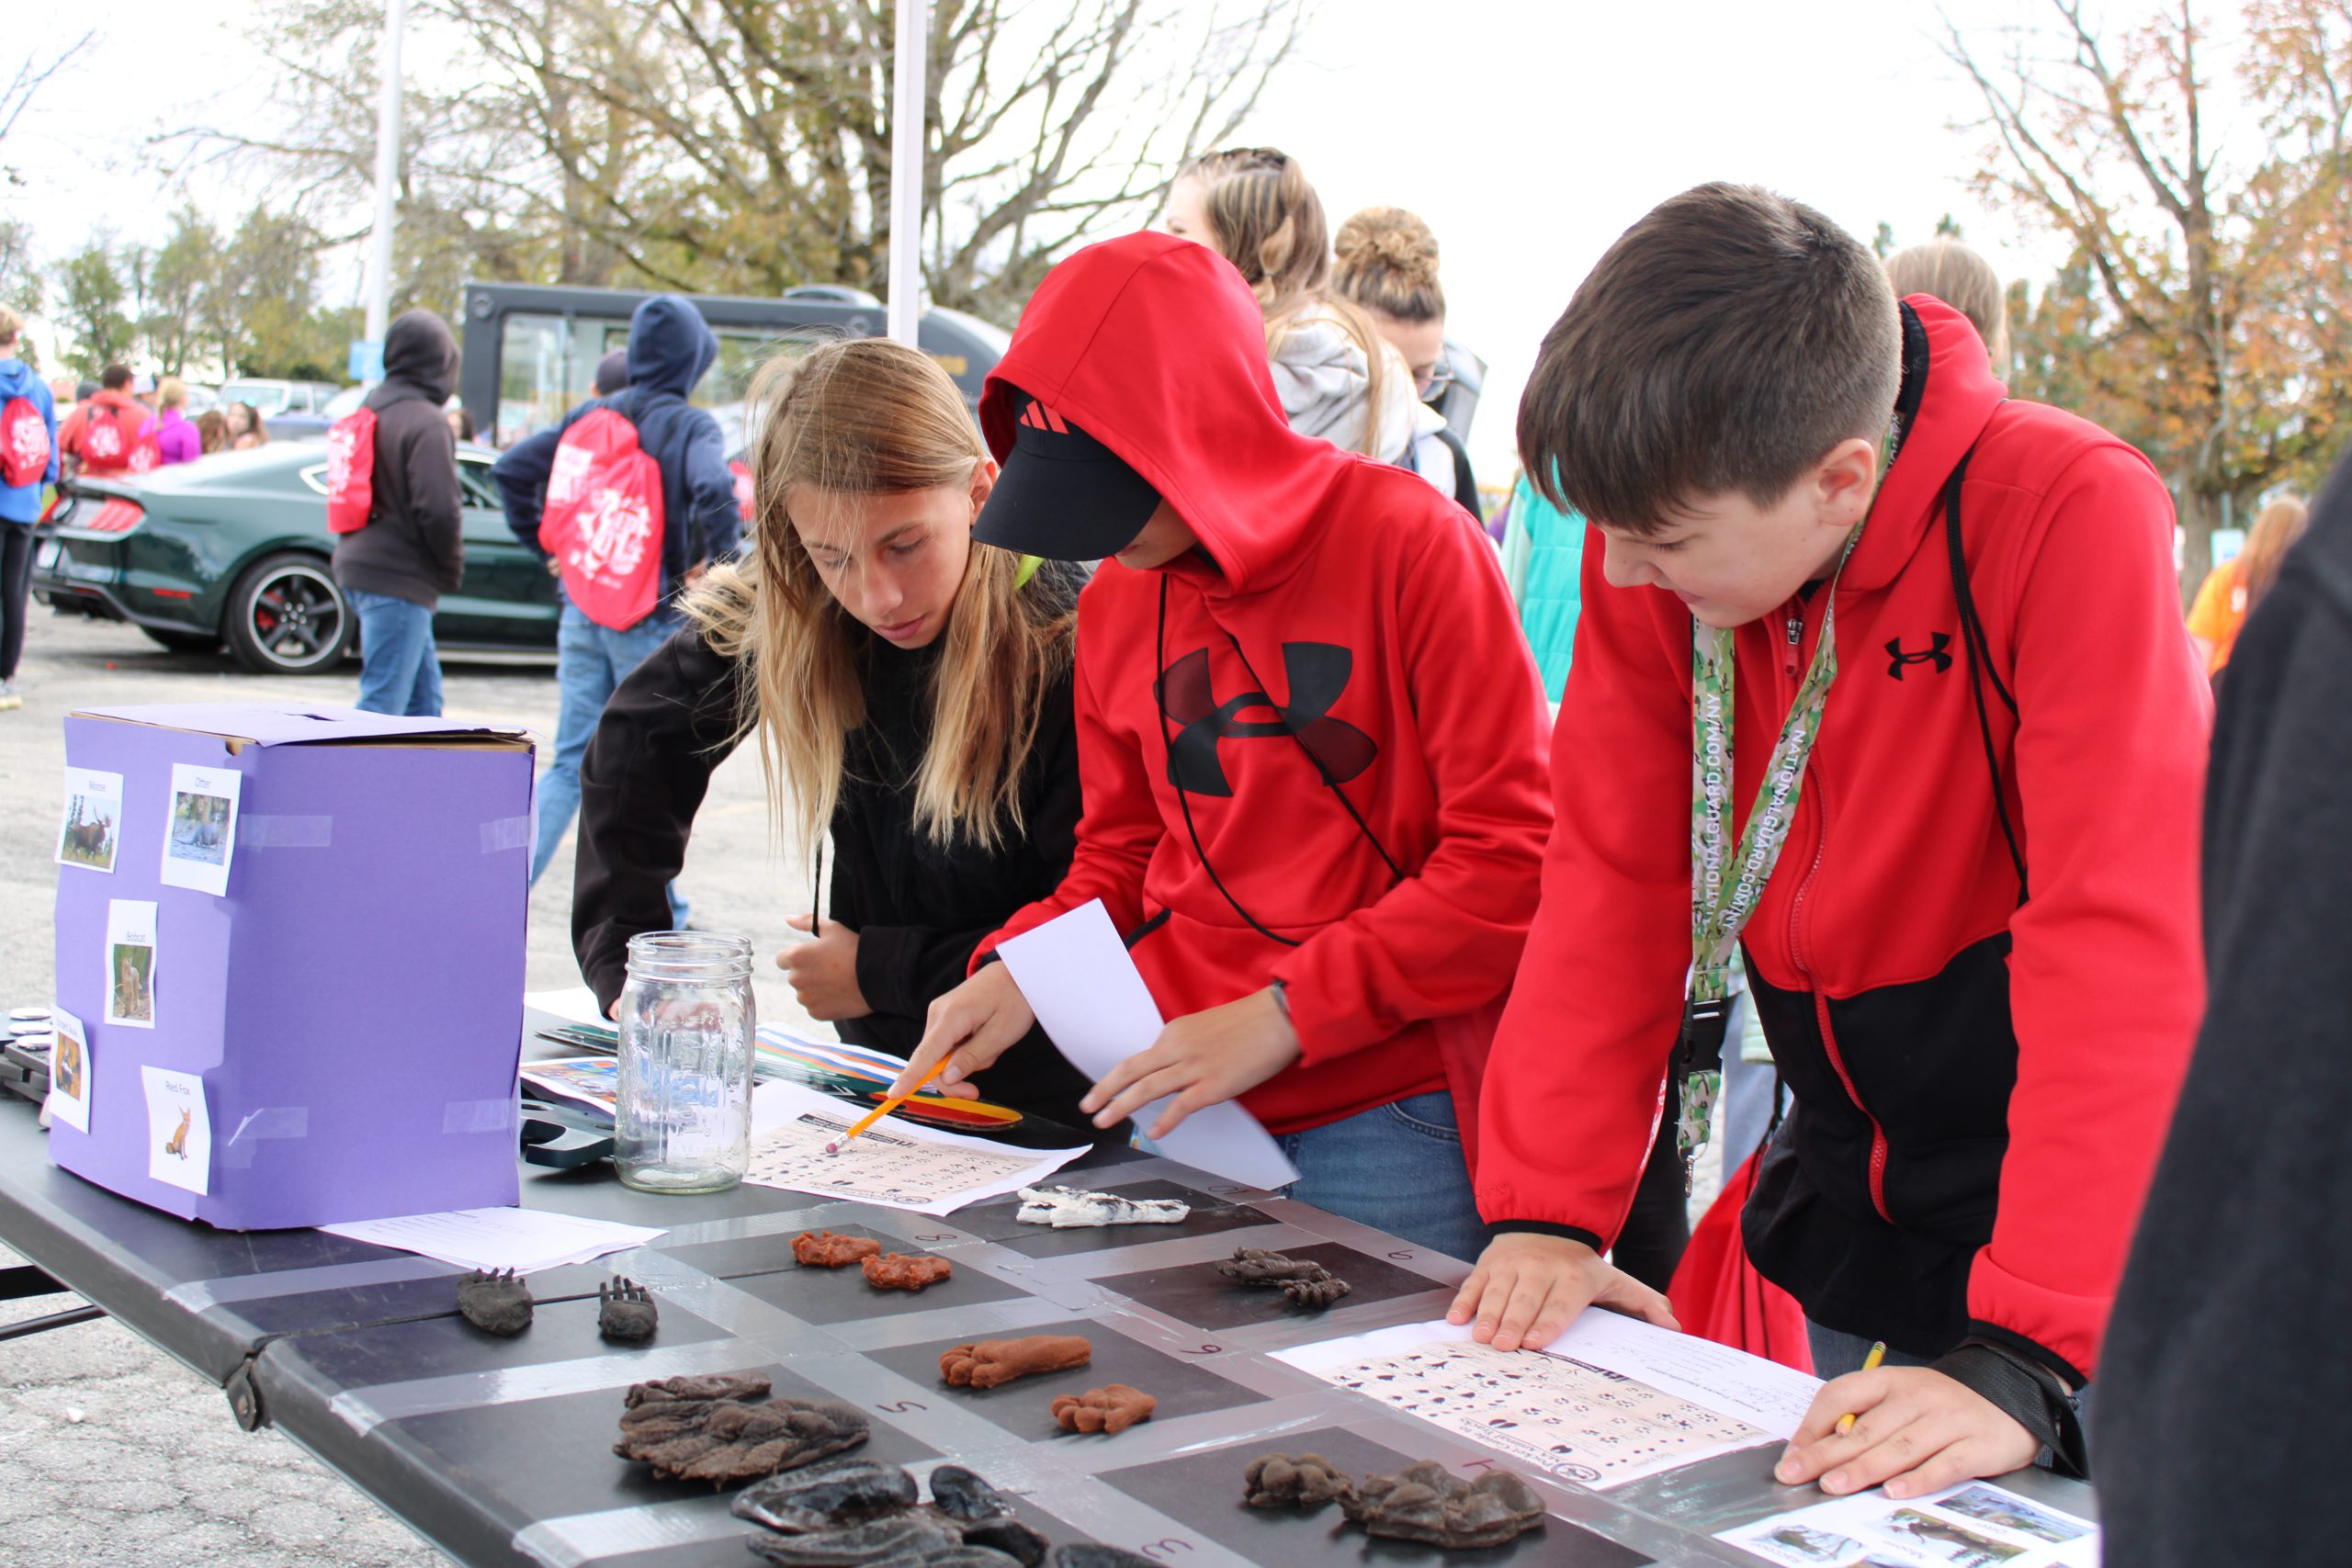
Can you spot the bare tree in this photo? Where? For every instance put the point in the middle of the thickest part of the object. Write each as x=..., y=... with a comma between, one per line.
x=35, y=71
x=2204, y=315
x=744, y=145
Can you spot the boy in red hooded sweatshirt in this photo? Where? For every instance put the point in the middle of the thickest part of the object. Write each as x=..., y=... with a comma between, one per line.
x=1310, y=741
x=1957, y=836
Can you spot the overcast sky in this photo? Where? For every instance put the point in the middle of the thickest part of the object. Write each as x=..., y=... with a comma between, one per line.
x=1527, y=132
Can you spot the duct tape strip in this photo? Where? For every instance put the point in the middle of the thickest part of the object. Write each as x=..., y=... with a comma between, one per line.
x=268, y=1121
x=265, y=832
x=197, y=1295
x=506, y=834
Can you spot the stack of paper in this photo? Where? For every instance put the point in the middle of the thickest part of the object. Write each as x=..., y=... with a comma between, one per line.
x=900, y=1165
x=525, y=1240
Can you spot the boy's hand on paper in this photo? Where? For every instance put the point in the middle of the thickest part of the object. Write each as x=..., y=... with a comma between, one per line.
x=1528, y=1288
x=823, y=971
x=1915, y=1430
x=1203, y=1059
x=977, y=1021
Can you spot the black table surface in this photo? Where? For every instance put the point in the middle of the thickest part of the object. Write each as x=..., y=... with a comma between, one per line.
x=499, y=1450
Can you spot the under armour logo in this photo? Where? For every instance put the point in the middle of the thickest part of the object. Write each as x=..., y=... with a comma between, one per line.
x=1318, y=673
x=1037, y=416
x=1897, y=659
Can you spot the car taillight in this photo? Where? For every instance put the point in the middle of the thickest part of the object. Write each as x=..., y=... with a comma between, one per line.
x=117, y=516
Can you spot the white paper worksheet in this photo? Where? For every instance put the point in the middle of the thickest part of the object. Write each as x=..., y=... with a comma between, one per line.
x=897, y=1163
x=1595, y=1410
x=525, y=1240
x=1078, y=977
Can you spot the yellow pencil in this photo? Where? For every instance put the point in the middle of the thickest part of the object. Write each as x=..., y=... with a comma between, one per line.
x=1870, y=1364
x=890, y=1104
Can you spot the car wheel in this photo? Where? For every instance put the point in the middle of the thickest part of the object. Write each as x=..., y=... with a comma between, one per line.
x=288, y=617
x=183, y=642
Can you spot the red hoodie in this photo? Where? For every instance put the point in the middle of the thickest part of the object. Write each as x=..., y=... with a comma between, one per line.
x=1348, y=601
x=1913, y=1194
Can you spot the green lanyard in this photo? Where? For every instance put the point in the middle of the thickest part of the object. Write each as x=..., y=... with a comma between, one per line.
x=1724, y=888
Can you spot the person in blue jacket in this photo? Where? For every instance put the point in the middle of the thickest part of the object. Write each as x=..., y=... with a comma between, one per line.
x=1543, y=562
x=19, y=508
x=670, y=347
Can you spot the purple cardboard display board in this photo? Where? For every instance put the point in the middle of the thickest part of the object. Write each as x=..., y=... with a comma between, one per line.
x=354, y=1004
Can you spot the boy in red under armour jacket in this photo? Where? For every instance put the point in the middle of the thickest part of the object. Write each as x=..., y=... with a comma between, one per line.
x=1975, y=955
x=1310, y=739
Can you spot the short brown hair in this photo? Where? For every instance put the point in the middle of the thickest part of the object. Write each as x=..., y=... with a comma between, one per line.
x=1724, y=343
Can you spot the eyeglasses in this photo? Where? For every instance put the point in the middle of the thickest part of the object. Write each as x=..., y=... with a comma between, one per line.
x=1432, y=384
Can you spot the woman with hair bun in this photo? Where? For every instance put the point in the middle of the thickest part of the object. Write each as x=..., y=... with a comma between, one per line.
x=1386, y=264
x=1254, y=207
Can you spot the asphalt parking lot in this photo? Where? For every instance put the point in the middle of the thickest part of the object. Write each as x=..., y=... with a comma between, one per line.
x=116, y=1454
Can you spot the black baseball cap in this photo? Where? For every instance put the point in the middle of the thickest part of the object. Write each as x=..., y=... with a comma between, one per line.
x=1063, y=494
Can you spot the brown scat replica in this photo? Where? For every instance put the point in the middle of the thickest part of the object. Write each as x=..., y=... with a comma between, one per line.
x=826, y=1497
x=495, y=1303
x=994, y=1362
x=823, y=1249
x=903, y=1271
x=1428, y=1503
x=1293, y=1481
x=625, y=1311
x=725, y=1440
x=1110, y=1410
x=1305, y=1283
x=702, y=1385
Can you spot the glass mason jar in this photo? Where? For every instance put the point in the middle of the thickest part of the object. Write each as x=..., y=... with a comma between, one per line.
x=686, y=1019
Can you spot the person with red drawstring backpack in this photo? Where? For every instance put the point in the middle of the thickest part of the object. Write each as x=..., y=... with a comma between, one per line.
x=28, y=464
x=393, y=503
x=101, y=433
x=626, y=498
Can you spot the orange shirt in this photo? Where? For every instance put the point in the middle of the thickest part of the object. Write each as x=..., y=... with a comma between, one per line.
x=2218, y=612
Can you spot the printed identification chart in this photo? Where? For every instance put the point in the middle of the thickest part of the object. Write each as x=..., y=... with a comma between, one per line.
x=1974, y=1526
x=1590, y=1424
x=895, y=1163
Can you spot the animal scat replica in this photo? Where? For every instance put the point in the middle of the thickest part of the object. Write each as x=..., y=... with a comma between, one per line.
x=495, y=1303
x=1072, y=1208
x=625, y=1311
x=1110, y=1410
x=1428, y=1503
x=823, y=1249
x=991, y=1363
x=1293, y=1481
x=843, y=1491
x=905, y=1272
x=1302, y=1281
x=724, y=1439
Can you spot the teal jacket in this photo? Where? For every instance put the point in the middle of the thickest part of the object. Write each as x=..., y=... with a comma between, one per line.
x=1544, y=559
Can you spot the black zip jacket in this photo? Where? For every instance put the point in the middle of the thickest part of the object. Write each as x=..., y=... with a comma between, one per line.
x=919, y=910
x=2225, y=1412
x=414, y=547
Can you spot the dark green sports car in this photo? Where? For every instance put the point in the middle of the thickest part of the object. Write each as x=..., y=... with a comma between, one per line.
x=234, y=549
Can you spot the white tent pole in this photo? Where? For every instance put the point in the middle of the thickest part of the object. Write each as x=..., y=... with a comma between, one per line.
x=905, y=171
x=387, y=163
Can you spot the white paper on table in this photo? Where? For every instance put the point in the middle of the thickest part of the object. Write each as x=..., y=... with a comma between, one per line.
x=1570, y=1416
x=131, y=956
x=92, y=826
x=895, y=1163
x=525, y=1240
x=1763, y=1393
x=201, y=828
x=1972, y=1523
x=179, y=1130
x=573, y=1004
x=69, y=1070
x=1080, y=980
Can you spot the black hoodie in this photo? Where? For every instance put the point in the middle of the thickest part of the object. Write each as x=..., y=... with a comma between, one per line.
x=414, y=547
x=919, y=910
x=2223, y=1419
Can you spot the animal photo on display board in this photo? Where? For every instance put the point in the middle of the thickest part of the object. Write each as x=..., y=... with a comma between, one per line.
x=200, y=827
x=88, y=833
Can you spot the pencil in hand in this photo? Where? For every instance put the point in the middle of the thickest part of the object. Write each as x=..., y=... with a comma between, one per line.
x=888, y=1106
x=1870, y=1364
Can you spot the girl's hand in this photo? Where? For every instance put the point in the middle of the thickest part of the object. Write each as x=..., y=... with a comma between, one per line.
x=1917, y=1431
x=976, y=1023
x=1203, y=1059
x=823, y=971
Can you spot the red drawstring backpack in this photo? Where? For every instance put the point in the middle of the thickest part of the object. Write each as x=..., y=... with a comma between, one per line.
x=147, y=452
x=106, y=447
x=351, y=472
x=1717, y=1294
x=24, y=443
x=603, y=520
x=742, y=472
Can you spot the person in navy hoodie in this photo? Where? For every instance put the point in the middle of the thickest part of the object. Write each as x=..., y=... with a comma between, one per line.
x=670, y=347
x=19, y=507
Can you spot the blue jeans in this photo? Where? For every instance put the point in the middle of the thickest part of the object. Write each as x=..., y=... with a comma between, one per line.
x=591, y=661
x=400, y=670
x=1398, y=1167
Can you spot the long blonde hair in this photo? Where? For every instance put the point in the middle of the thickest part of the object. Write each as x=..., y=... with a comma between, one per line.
x=873, y=417
x=2267, y=543
x=1268, y=221
x=1961, y=279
